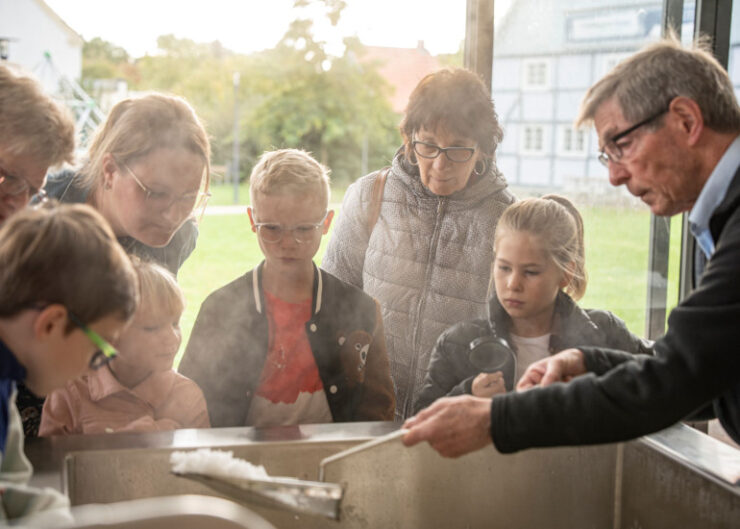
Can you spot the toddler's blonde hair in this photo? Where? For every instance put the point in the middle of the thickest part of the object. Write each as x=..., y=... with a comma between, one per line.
x=158, y=288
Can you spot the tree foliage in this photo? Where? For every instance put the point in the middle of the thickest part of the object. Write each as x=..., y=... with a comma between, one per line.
x=103, y=60
x=294, y=95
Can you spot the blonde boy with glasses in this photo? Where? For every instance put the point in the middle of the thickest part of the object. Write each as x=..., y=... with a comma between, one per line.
x=288, y=343
x=67, y=289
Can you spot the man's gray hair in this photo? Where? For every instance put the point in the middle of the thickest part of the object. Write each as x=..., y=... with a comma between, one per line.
x=648, y=81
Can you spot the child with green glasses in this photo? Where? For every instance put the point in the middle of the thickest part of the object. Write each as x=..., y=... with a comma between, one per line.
x=137, y=390
x=66, y=288
x=288, y=343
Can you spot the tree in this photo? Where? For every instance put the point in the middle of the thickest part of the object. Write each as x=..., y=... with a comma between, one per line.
x=331, y=106
x=103, y=60
x=294, y=95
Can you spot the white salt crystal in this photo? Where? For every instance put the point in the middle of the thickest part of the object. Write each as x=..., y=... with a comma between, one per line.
x=215, y=463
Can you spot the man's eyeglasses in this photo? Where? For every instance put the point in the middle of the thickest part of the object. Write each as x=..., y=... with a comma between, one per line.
x=454, y=154
x=163, y=200
x=105, y=353
x=612, y=152
x=301, y=233
x=18, y=185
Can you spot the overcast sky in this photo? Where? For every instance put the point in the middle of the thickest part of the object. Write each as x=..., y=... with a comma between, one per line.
x=252, y=25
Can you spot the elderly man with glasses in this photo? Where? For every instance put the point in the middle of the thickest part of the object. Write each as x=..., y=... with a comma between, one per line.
x=669, y=125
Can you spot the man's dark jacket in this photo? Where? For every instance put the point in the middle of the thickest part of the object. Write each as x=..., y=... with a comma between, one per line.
x=695, y=370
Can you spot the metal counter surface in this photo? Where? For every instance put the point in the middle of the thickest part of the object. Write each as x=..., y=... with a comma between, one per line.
x=47, y=454
x=678, y=477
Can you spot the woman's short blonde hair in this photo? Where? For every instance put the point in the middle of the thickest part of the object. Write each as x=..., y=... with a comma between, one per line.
x=556, y=222
x=290, y=171
x=31, y=123
x=135, y=127
x=158, y=288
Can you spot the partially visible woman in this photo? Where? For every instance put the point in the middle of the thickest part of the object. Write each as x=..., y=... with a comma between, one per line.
x=427, y=257
x=35, y=133
x=147, y=170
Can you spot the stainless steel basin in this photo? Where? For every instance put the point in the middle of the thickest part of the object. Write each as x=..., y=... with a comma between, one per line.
x=677, y=478
x=182, y=512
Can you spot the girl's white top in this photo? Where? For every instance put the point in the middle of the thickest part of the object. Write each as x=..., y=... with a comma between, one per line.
x=529, y=350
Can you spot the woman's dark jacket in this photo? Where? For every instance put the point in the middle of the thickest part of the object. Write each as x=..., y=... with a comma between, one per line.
x=229, y=344
x=451, y=373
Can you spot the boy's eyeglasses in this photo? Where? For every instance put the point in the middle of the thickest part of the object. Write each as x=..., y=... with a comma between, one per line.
x=454, y=154
x=18, y=185
x=301, y=233
x=106, y=351
x=164, y=200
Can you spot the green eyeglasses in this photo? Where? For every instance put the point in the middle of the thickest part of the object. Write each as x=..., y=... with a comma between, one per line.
x=106, y=351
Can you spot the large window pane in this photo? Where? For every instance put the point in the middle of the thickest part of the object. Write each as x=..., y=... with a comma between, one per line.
x=546, y=55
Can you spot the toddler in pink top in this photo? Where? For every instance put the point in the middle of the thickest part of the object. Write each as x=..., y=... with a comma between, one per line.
x=138, y=390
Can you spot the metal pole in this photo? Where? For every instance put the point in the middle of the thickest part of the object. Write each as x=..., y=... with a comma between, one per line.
x=235, y=151
x=712, y=18
x=660, y=228
x=479, y=39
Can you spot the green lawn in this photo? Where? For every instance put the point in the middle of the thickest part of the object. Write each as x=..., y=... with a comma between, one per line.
x=616, y=259
x=223, y=195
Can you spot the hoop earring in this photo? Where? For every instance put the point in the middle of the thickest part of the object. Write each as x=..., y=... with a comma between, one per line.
x=482, y=170
x=412, y=159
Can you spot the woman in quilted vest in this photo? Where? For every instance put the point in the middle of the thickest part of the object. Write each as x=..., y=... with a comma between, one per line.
x=418, y=236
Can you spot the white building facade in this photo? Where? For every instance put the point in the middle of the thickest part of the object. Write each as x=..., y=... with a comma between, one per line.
x=33, y=33
x=546, y=55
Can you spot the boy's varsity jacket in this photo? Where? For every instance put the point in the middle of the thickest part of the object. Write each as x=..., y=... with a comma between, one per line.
x=229, y=344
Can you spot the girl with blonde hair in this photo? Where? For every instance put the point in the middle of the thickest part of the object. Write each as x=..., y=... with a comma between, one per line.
x=538, y=273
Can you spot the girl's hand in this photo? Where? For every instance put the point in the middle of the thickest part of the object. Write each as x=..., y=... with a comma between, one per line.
x=561, y=367
x=488, y=384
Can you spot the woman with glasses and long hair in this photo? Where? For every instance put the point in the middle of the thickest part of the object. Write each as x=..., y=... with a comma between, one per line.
x=146, y=172
x=418, y=235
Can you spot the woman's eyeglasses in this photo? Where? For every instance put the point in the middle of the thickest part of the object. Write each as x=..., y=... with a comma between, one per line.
x=301, y=233
x=454, y=154
x=105, y=353
x=164, y=200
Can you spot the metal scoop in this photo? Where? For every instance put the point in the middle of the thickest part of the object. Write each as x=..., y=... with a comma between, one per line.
x=312, y=497
x=286, y=493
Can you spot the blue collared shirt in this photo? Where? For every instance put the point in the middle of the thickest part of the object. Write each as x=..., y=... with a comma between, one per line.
x=10, y=372
x=712, y=195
